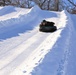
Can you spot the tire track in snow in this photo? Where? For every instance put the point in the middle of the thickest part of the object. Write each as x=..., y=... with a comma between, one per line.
x=42, y=49
x=19, y=48
x=11, y=62
x=36, y=56
x=6, y=51
x=6, y=69
x=64, y=61
x=63, y=64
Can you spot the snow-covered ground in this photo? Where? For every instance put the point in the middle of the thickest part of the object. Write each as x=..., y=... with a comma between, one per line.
x=26, y=51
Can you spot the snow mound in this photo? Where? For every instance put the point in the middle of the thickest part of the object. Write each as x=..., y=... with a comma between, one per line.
x=6, y=10
x=36, y=9
x=32, y=13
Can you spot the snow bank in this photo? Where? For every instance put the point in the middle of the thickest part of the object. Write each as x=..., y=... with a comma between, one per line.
x=71, y=60
x=73, y=17
x=1, y=7
x=22, y=20
x=32, y=13
x=35, y=9
x=6, y=10
x=61, y=58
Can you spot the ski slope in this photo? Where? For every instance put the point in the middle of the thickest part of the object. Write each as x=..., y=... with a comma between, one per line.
x=26, y=51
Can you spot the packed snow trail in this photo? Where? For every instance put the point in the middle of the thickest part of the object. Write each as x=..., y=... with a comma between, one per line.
x=18, y=48
x=23, y=47
x=62, y=55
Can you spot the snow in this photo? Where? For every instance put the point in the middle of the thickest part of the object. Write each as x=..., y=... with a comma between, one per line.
x=26, y=51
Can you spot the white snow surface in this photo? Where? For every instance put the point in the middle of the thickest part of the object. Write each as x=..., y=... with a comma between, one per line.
x=24, y=50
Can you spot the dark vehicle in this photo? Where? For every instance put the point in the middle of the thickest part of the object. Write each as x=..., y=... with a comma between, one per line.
x=47, y=26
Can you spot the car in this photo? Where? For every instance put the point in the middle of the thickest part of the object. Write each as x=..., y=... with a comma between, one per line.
x=47, y=26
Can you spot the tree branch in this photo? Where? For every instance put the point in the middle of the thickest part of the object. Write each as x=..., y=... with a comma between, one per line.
x=72, y=3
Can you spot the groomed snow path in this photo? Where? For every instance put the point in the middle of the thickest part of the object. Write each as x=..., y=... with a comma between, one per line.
x=23, y=47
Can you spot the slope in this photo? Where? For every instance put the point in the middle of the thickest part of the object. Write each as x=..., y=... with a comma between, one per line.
x=11, y=50
x=60, y=60
x=23, y=47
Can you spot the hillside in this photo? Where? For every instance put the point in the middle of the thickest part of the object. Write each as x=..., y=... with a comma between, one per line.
x=26, y=51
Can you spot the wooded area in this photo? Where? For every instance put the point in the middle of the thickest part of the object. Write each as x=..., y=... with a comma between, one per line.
x=52, y=5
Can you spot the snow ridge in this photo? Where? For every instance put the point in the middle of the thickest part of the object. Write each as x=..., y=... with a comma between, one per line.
x=22, y=18
x=62, y=70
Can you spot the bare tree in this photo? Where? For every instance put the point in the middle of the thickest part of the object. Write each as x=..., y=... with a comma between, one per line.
x=5, y=2
x=54, y=5
x=2, y=2
x=40, y=3
x=73, y=7
x=49, y=4
x=70, y=6
x=18, y=3
x=28, y=3
x=72, y=2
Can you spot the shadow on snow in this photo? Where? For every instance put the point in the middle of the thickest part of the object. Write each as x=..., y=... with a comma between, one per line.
x=13, y=31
